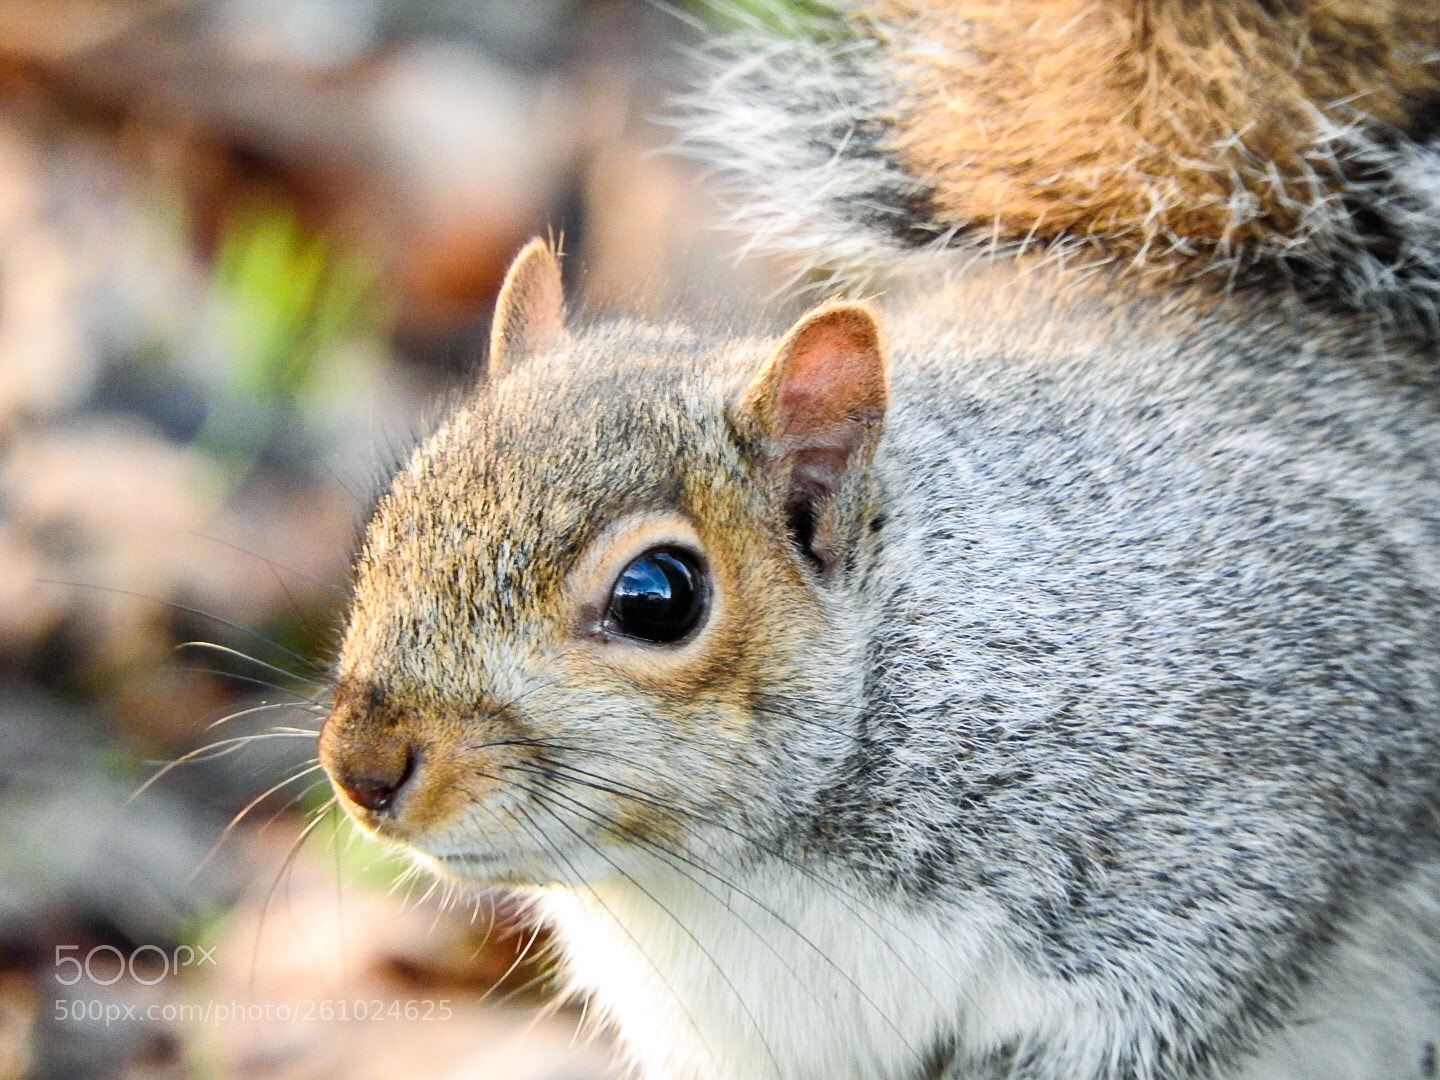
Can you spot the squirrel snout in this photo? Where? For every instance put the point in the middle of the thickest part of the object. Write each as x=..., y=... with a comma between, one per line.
x=373, y=785
x=369, y=763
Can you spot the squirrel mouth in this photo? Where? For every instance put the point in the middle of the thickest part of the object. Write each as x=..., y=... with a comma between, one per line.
x=480, y=868
x=462, y=862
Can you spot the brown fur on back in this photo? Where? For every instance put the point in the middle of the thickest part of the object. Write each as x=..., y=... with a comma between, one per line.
x=1171, y=128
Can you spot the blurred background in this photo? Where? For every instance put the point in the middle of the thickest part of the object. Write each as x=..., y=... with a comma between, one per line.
x=247, y=247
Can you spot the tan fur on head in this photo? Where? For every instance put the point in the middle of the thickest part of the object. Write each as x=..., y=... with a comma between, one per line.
x=1168, y=128
x=481, y=645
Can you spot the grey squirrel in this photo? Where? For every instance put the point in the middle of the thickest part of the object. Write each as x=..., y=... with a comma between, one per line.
x=1033, y=674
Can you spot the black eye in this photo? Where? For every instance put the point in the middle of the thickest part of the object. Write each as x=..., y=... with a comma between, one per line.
x=660, y=597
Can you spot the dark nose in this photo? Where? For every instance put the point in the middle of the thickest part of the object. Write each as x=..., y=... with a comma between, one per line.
x=376, y=787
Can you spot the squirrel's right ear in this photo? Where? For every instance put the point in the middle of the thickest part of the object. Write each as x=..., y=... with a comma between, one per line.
x=818, y=406
x=530, y=314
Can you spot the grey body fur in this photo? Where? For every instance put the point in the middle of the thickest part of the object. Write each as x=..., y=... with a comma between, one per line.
x=1111, y=751
x=1154, y=658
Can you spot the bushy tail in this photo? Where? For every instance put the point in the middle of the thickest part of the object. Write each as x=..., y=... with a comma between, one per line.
x=797, y=126
x=1257, y=141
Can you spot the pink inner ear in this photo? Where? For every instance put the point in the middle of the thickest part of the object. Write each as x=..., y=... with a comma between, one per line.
x=833, y=391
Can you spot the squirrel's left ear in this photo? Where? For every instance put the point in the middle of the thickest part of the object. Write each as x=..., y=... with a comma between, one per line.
x=819, y=405
x=530, y=314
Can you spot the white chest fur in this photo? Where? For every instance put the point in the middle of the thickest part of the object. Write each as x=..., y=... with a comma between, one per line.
x=786, y=975
x=783, y=974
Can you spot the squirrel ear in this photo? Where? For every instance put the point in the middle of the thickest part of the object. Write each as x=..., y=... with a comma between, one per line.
x=819, y=404
x=530, y=314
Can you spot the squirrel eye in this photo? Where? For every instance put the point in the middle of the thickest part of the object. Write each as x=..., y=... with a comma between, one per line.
x=660, y=597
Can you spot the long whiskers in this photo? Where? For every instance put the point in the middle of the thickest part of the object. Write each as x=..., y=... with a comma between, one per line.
x=853, y=902
x=304, y=661
x=539, y=834
x=282, y=873
x=250, y=680
x=215, y=750
x=226, y=650
x=265, y=706
x=679, y=862
x=235, y=821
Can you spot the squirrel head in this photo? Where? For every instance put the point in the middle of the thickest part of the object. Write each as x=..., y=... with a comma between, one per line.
x=610, y=603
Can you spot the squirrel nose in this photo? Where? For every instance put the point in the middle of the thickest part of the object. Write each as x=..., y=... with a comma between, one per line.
x=376, y=788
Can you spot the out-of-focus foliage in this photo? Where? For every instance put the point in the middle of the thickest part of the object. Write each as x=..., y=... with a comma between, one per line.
x=289, y=298
x=807, y=18
x=299, y=321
